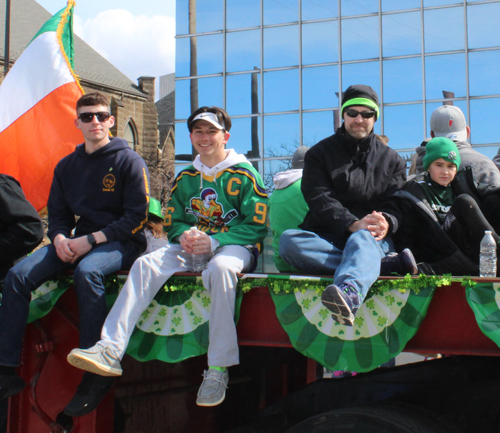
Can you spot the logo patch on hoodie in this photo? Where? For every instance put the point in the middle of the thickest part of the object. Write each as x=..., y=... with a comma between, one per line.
x=109, y=182
x=209, y=212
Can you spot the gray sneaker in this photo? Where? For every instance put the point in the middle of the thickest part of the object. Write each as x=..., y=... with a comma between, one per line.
x=98, y=359
x=343, y=301
x=213, y=389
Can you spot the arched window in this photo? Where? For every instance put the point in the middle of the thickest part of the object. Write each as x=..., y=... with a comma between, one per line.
x=130, y=134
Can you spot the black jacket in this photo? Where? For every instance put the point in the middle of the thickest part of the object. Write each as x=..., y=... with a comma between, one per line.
x=418, y=228
x=346, y=179
x=21, y=229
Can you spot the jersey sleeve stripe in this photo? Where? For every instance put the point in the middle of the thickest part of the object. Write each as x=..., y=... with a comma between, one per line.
x=185, y=172
x=243, y=171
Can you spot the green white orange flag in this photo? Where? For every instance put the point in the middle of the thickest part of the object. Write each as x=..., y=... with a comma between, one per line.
x=37, y=108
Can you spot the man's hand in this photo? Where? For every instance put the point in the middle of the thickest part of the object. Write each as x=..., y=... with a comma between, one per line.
x=375, y=223
x=69, y=250
x=195, y=244
x=186, y=241
x=63, y=249
x=80, y=246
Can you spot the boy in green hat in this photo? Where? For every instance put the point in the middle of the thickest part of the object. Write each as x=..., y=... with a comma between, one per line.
x=442, y=214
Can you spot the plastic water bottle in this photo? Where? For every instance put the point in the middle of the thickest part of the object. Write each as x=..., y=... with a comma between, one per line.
x=488, y=256
x=200, y=261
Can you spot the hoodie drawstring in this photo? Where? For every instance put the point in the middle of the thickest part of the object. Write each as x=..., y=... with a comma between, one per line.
x=201, y=177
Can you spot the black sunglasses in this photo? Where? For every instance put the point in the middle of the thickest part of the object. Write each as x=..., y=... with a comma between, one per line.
x=351, y=112
x=102, y=116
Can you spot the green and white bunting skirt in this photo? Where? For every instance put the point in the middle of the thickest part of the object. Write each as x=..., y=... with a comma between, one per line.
x=484, y=300
x=174, y=327
x=382, y=327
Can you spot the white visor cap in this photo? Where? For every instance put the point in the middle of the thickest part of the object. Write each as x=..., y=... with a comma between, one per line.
x=209, y=117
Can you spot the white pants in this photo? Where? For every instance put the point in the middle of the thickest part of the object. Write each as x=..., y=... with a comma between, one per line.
x=147, y=276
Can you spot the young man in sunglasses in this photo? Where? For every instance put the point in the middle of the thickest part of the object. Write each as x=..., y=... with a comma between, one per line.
x=346, y=176
x=100, y=191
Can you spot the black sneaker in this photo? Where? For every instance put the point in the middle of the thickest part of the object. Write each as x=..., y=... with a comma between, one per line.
x=398, y=264
x=89, y=394
x=425, y=268
x=343, y=301
x=10, y=384
x=65, y=423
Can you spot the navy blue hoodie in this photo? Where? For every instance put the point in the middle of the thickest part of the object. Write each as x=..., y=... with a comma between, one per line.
x=107, y=189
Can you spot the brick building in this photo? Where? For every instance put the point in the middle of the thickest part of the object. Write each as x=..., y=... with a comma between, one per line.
x=132, y=104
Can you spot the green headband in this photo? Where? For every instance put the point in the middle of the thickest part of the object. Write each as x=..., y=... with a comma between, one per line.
x=361, y=101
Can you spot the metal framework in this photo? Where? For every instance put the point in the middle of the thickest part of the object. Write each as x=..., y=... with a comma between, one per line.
x=380, y=59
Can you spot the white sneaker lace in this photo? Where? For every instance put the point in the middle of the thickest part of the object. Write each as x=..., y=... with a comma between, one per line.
x=211, y=377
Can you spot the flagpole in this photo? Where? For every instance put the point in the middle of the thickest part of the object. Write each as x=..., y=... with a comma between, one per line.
x=34, y=99
x=7, y=39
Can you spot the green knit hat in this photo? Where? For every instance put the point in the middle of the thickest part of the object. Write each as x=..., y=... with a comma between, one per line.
x=441, y=147
x=155, y=207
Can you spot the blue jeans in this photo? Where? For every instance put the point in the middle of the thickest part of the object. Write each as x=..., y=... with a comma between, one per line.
x=357, y=264
x=43, y=265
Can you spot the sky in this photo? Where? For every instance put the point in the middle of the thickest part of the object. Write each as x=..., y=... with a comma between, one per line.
x=135, y=36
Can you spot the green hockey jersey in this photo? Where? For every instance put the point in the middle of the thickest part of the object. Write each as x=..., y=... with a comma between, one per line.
x=228, y=202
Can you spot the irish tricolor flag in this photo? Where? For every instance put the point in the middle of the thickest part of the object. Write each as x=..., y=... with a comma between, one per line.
x=37, y=108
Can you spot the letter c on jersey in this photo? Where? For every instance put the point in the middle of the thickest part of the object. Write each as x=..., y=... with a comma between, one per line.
x=230, y=186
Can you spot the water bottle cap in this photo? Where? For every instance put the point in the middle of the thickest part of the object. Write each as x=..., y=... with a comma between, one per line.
x=487, y=232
